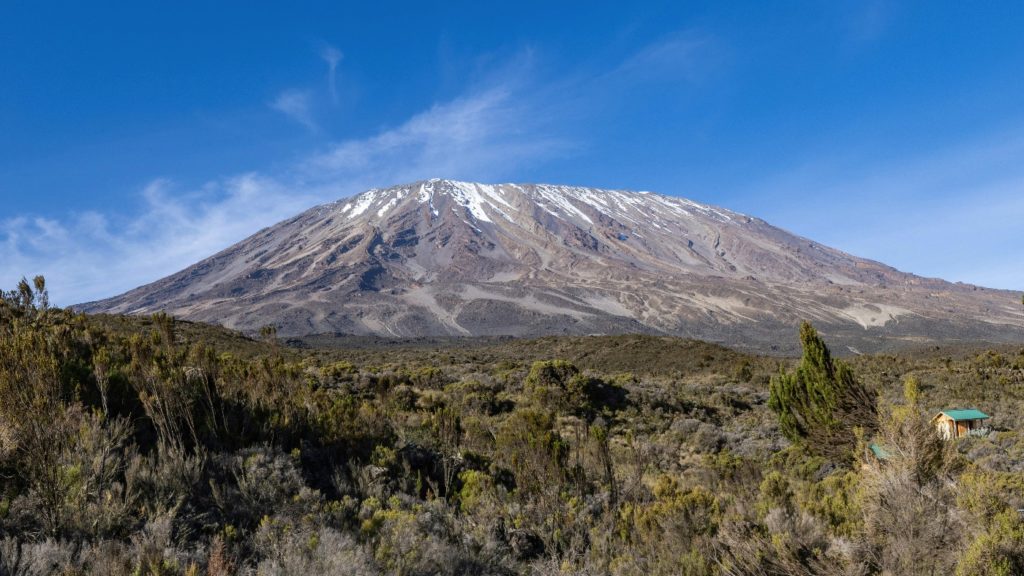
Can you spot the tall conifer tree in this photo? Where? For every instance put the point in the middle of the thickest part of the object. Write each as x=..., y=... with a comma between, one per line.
x=821, y=402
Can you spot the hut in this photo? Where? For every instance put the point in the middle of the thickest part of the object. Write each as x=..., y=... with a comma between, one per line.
x=952, y=424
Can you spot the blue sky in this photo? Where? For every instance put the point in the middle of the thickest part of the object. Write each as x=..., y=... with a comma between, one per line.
x=136, y=139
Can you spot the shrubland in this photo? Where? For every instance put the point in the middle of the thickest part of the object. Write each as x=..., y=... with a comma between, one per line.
x=154, y=446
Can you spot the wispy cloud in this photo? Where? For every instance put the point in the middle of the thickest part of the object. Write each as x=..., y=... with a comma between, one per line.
x=332, y=56
x=90, y=255
x=482, y=136
x=296, y=104
x=686, y=55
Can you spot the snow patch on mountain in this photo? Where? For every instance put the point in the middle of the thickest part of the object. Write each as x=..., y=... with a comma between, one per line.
x=362, y=202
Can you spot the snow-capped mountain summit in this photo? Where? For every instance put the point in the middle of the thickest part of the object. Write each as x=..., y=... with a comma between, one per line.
x=442, y=257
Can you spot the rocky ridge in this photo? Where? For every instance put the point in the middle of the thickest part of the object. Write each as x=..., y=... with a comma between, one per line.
x=449, y=258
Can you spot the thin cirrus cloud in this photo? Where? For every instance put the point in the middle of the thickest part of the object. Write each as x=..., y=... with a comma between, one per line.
x=686, y=55
x=332, y=56
x=296, y=105
x=483, y=136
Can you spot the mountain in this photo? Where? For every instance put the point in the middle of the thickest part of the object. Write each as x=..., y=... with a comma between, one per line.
x=447, y=258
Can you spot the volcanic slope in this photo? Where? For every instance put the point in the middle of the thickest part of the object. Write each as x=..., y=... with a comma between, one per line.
x=448, y=258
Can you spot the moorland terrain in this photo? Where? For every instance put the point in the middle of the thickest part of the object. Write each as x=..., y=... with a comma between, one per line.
x=149, y=445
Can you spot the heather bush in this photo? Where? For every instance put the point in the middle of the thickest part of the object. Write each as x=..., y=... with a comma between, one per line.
x=289, y=550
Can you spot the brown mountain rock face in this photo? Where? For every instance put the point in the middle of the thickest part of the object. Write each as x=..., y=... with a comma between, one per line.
x=445, y=258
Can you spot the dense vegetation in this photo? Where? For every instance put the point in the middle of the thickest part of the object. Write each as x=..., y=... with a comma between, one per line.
x=151, y=446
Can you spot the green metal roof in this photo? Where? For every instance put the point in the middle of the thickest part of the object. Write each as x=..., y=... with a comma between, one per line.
x=970, y=414
x=879, y=452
